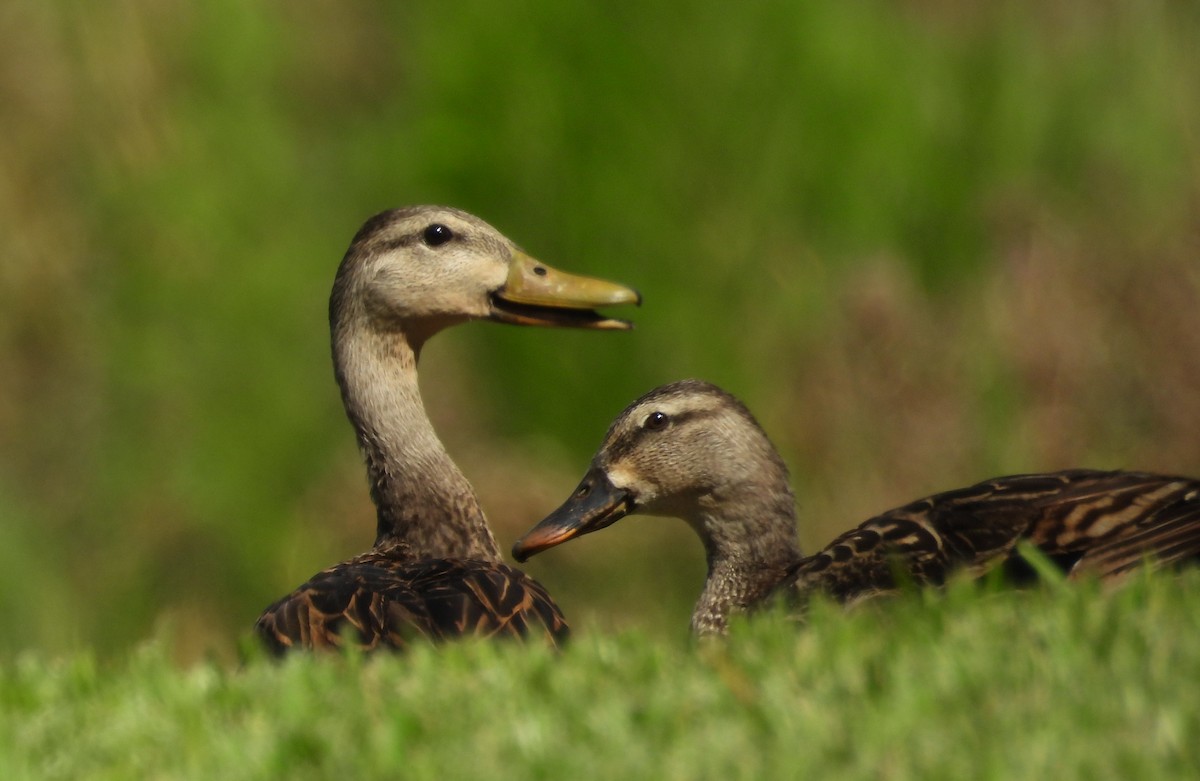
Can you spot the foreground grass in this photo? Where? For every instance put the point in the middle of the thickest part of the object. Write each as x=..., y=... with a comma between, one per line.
x=1050, y=684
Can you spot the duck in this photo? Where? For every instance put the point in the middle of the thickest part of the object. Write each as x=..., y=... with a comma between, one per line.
x=694, y=451
x=435, y=571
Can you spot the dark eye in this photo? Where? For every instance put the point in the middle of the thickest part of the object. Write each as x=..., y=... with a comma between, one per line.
x=656, y=421
x=436, y=235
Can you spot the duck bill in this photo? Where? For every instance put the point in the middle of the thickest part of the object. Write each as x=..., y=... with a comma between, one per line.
x=596, y=504
x=536, y=294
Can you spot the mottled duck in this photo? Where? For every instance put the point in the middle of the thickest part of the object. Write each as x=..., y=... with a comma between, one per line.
x=435, y=570
x=691, y=450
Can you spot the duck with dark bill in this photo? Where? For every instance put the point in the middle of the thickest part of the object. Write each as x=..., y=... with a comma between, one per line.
x=691, y=450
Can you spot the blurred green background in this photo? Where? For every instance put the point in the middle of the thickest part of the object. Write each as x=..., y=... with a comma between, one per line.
x=927, y=244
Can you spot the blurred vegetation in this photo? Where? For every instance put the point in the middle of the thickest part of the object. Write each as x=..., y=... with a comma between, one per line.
x=926, y=244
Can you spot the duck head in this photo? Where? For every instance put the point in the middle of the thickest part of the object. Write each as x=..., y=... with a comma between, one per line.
x=687, y=449
x=423, y=268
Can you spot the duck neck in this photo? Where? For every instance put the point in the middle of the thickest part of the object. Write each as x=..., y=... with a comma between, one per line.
x=750, y=541
x=421, y=497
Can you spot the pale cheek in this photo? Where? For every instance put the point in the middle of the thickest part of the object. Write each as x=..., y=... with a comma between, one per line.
x=475, y=304
x=627, y=480
x=620, y=477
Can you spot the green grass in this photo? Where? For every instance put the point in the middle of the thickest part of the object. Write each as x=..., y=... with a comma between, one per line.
x=1065, y=682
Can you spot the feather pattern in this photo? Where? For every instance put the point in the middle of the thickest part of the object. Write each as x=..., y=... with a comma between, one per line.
x=384, y=598
x=1094, y=523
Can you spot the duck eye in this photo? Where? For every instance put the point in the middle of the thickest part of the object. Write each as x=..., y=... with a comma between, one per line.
x=436, y=235
x=656, y=421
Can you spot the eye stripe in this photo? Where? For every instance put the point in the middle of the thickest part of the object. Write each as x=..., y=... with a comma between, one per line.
x=626, y=445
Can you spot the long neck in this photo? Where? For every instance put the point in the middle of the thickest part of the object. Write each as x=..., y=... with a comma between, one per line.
x=420, y=495
x=750, y=539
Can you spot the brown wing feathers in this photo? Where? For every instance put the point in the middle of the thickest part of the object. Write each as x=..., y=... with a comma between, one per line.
x=1161, y=524
x=467, y=597
x=379, y=600
x=1094, y=523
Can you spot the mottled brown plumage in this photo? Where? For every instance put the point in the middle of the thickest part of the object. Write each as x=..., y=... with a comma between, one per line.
x=1091, y=523
x=691, y=450
x=435, y=571
x=388, y=598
